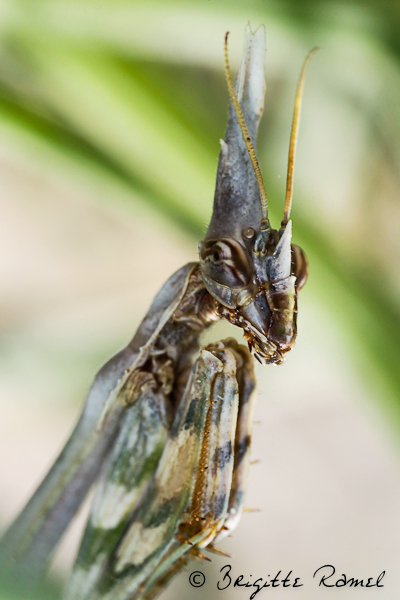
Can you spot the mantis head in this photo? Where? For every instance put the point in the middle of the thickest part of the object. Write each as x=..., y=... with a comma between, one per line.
x=252, y=270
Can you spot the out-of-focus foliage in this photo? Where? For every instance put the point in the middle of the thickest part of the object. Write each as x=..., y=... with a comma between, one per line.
x=45, y=591
x=133, y=92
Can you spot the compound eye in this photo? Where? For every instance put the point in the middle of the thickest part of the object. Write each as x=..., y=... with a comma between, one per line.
x=299, y=266
x=226, y=262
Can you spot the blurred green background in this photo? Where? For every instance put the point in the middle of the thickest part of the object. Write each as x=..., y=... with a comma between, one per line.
x=110, y=118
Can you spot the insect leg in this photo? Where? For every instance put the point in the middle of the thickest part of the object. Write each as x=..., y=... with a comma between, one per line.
x=222, y=469
x=246, y=383
x=179, y=499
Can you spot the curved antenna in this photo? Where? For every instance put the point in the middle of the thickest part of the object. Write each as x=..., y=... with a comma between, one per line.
x=293, y=138
x=246, y=136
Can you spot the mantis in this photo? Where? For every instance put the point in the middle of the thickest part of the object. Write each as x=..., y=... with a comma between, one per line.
x=166, y=427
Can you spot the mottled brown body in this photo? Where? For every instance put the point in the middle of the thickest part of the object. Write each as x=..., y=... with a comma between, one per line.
x=166, y=427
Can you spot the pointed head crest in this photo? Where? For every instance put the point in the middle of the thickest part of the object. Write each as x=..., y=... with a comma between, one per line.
x=252, y=270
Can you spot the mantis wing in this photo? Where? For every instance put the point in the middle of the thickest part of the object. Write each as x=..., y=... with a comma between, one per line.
x=28, y=543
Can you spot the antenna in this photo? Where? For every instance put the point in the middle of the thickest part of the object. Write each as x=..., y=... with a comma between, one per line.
x=293, y=138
